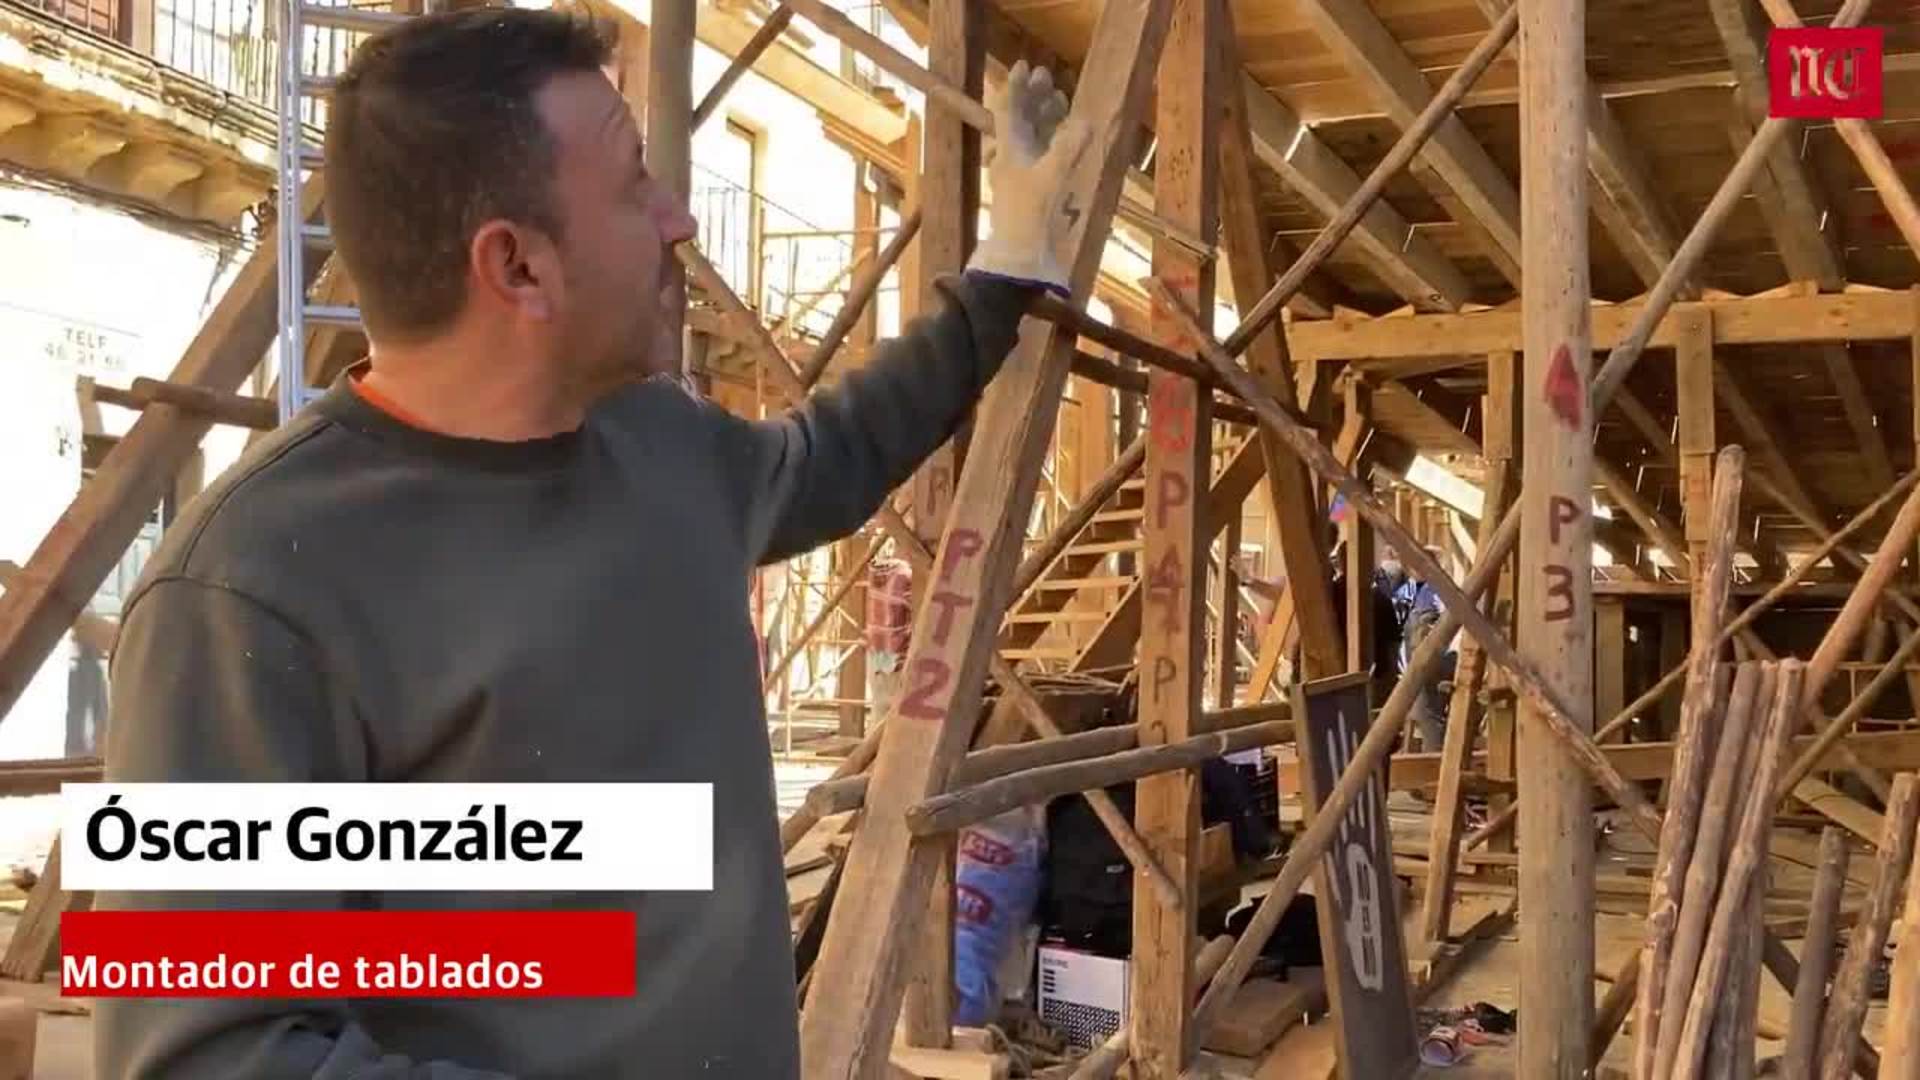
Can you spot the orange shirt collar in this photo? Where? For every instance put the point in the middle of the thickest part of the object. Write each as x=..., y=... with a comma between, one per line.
x=384, y=403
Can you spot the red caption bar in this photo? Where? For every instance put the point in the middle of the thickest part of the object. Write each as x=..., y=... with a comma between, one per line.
x=348, y=953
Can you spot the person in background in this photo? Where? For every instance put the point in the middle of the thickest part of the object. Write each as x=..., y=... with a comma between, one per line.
x=1423, y=614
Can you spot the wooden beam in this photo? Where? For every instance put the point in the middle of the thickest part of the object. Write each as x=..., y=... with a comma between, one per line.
x=86, y=543
x=749, y=54
x=947, y=187
x=1290, y=487
x=888, y=873
x=1870, y=316
x=1175, y=544
x=1408, y=263
x=1625, y=200
x=669, y=128
x=1556, y=544
x=1352, y=30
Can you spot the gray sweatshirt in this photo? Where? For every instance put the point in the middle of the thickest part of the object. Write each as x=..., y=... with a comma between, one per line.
x=360, y=600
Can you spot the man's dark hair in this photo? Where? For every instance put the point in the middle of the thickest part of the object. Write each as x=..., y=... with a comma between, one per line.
x=431, y=133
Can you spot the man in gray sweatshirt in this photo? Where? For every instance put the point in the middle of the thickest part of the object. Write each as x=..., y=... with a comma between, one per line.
x=510, y=547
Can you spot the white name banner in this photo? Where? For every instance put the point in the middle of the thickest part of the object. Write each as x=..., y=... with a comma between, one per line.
x=387, y=837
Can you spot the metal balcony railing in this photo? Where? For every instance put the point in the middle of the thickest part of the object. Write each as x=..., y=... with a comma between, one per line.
x=788, y=268
x=230, y=45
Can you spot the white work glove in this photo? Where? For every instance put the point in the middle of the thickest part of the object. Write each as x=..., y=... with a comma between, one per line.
x=1034, y=156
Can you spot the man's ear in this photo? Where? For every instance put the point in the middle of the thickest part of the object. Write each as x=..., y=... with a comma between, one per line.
x=515, y=267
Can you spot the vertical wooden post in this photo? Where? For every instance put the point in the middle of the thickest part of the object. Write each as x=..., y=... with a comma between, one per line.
x=1358, y=536
x=669, y=131
x=947, y=189
x=1610, y=657
x=1556, y=542
x=1174, y=556
x=1227, y=651
x=1693, y=381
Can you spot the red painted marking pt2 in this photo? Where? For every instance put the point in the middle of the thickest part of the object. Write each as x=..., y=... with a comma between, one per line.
x=1564, y=390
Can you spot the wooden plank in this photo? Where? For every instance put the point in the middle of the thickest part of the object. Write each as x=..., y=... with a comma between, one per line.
x=1774, y=320
x=1262, y=1010
x=1556, y=544
x=888, y=873
x=947, y=187
x=1361, y=939
x=86, y=543
x=1694, y=402
x=1174, y=558
x=1355, y=34
x=1290, y=487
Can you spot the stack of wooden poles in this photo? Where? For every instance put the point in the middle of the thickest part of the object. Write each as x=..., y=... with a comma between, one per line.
x=1708, y=941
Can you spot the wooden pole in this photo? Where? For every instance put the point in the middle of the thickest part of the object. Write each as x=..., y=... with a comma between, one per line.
x=1816, y=958
x=1556, y=543
x=1613, y=1009
x=766, y=35
x=1500, y=428
x=976, y=803
x=1901, y=1059
x=1697, y=738
x=1715, y=817
x=1747, y=854
x=1894, y=548
x=947, y=190
x=1847, y=1005
x=860, y=294
x=827, y=613
x=1174, y=557
x=669, y=134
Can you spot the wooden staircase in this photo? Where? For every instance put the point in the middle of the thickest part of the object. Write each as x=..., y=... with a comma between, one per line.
x=1050, y=626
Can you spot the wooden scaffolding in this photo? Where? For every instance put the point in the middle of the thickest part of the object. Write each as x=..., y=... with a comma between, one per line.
x=1746, y=488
